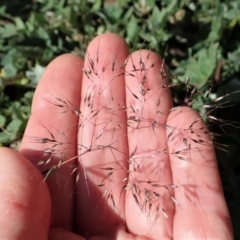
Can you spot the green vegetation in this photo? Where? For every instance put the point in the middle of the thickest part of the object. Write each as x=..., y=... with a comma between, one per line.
x=199, y=40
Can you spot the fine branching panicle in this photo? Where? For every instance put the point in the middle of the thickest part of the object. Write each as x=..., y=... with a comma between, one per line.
x=119, y=132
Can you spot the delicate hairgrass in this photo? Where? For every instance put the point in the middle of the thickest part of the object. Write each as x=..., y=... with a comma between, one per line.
x=106, y=124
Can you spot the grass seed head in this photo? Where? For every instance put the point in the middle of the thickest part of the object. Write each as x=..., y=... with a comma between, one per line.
x=115, y=132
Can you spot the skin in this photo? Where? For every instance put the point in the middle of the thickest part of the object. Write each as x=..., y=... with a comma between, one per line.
x=31, y=209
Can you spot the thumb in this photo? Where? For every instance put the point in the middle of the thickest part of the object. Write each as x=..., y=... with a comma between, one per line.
x=24, y=199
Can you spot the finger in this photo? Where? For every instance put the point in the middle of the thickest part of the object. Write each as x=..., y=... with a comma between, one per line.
x=52, y=126
x=102, y=137
x=62, y=234
x=148, y=102
x=200, y=197
x=24, y=199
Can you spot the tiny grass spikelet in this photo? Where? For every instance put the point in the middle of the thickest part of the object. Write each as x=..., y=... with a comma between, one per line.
x=125, y=135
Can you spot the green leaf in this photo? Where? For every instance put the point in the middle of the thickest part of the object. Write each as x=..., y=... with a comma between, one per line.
x=9, y=30
x=132, y=30
x=4, y=138
x=48, y=5
x=216, y=29
x=12, y=62
x=17, y=111
x=113, y=11
x=20, y=26
x=97, y=5
x=15, y=126
x=10, y=70
x=161, y=16
x=203, y=65
x=144, y=7
x=2, y=120
x=35, y=74
x=43, y=33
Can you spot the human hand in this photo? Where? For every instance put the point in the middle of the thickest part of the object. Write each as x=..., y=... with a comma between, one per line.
x=31, y=209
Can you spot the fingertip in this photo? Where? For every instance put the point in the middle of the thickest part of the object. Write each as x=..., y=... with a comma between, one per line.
x=67, y=64
x=145, y=70
x=62, y=76
x=108, y=42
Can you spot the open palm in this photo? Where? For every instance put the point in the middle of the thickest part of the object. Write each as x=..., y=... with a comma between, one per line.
x=170, y=189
